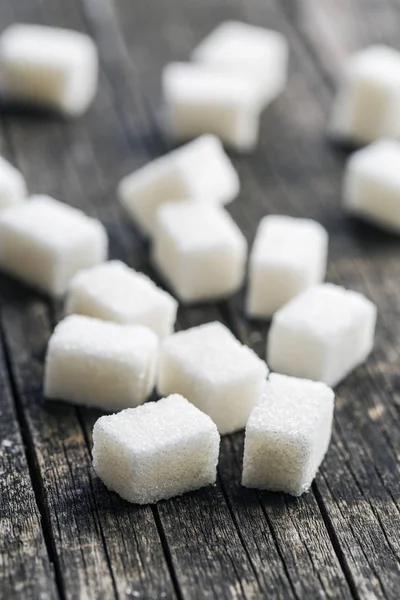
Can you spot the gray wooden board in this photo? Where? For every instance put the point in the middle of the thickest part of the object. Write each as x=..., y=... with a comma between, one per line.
x=64, y=534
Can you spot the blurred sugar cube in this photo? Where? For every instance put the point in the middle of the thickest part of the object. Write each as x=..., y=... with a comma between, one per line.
x=114, y=292
x=288, y=256
x=322, y=334
x=45, y=243
x=367, y=106
x=199, y=250
x=50, y=67
x=371, y=188
x=199, y=170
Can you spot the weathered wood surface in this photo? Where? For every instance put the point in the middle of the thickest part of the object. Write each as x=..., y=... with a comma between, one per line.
x=62, y=534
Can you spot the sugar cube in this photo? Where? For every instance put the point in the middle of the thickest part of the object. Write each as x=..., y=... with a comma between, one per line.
x=199, y=250
x=114, y=292
x=261, y=54
x=288, y=256
x=100, y=364
x=215, y=372
x=322, y=334
x=50, y=67
x=45, y=243
x=199, y=170
x=12, y=185
x=367, y=106
x=372, y=184
x=156, y=451
x=205, y=99
x=287, y=435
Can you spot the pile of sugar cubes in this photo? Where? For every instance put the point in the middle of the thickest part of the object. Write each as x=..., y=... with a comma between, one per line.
x=117, y=342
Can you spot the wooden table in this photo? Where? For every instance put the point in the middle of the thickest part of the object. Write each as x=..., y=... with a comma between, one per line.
x=63, y=535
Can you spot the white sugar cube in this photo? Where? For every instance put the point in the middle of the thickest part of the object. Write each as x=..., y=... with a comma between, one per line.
x=322, y=334
x=203, y=99
x=49, y=67
x=45, y=243
x=12, y=185
x=100, y=364
x=215, y=372
x=367, y=106
x=114, y=292
x=261, y=54
x=372, y=184
x=199, y=250
x=156, y=451
x=289, y=255
x=199, y=170
x=287, y=435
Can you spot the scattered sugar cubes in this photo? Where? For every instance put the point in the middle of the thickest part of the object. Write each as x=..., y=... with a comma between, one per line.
x=114, y=292
x=199, y=250
x=368, y=103
x=45, y=243
x=200, y=99
x=287, y=435
x=199, y=170
x=156, y=451
x=49, y=67
x=288, y=256
x=215, y=372
x=12, y=185
x=95, y=363
x=322, y=334
x=261, y=54
x=372, y=184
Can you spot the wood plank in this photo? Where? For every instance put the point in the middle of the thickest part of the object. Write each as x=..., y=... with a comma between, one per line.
x=25, y=568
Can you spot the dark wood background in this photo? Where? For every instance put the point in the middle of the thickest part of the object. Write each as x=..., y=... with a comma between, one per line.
x=62, y=534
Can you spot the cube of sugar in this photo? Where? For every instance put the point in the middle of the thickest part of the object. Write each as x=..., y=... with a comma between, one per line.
x=49, y=67
x=199, y=250
x=259, y=53
x=45, y=243
x=322, y=334
x=199, y=170
x=287, y=435
x=203, y=99
x=156, y=451
x=114, y=292
x=372, y=184
x=367, y=106
x=289, y=255
x=100, y=364
x=12, y=185
x=215, y=372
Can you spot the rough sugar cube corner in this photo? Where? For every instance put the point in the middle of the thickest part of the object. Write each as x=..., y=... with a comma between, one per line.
x=203, y=99
x=45, y=243
x=215, y=372
x=199, y=250
x=12, y=185
x=198, y=170
x=367, y=106
x=156, y=451
x=114, y=292
x=371, y=186
x=287, y=435
x=261, y=54
x=322, y=334
x=95, y=363
x=288, y=256
x=49, y=67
